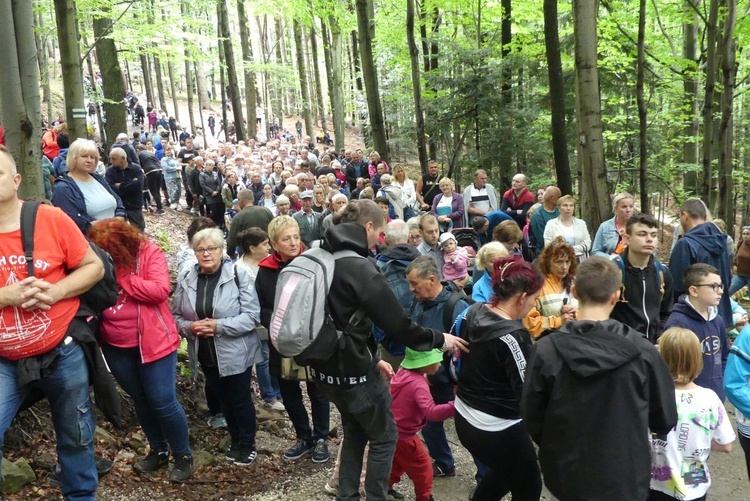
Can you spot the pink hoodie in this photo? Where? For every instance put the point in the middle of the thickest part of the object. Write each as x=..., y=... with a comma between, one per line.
x=413, y=404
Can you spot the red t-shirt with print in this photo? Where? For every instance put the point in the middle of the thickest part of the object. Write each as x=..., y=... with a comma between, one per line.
x=59, y=246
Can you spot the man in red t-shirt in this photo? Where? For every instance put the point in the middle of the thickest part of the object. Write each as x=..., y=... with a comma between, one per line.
x=518, y=200
x=37, y=317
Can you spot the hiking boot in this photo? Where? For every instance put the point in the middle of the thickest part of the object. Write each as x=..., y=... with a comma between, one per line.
x=245, y=457
x=103, y=466
x=394, y=494
x=217, y=421
x=152, y=462
x=320, y=451
x=182, y=470
x=442, y=471
x=299, y=449
x=233, y=453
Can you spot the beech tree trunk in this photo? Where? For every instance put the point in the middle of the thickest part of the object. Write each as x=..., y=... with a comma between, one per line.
x=70, y=60
x=337, y=81
x=43, y=65
x=188, y=72
x=430, y=53
x=728, y=70
x=146, y=72
x=234, y=87
x=112, y=81
x=690, y=90
x=251, y=92
x=19, y=99
x=366, y=33
x=590, y=135
x=327, y=57
x=416, y=85
x=316, y=74
x=302, y=70
x=557, y=98
x=708, y=102
x=642, y=109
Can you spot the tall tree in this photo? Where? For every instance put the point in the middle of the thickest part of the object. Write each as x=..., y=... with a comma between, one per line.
x=112, y=81
x=251, y=92
x=416, y=85
x=70, y=60
x=642, y=108
x=690, y=91
x=557, y=98
x=337, y=78
x=316, y=74
x=728, y=71
x=188, y=71
x=366, y=34
x=19, y=99
x=42, y=58
x=147, y=83
x=708, y=101
x=234, y=87
x=302, y=71
x=430, y=53
x=590, y=133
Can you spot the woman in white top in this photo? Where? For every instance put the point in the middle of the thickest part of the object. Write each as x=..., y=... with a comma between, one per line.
x=408, y=191
x=269, y=199
x=572, y=229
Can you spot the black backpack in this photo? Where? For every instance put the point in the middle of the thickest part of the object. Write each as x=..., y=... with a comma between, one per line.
x=97, y=299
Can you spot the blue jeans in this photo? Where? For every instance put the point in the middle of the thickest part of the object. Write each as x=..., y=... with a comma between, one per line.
x=152, y=388
x=269, y=384
x=738, y=283
x=67, y=391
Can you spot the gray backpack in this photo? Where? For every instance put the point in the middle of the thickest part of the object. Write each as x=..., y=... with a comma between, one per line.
x=301, y=324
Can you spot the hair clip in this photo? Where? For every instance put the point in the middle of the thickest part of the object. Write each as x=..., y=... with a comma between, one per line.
x=502, y=270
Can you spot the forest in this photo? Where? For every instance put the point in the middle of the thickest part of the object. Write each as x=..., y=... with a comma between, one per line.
x=595, y=96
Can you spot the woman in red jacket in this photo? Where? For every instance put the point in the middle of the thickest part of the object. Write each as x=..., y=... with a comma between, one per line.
x=139, y=339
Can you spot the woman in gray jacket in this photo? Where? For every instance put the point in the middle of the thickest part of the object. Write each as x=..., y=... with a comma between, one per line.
x=216, y=309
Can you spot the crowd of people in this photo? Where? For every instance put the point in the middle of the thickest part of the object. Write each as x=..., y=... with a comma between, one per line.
x=496, y=309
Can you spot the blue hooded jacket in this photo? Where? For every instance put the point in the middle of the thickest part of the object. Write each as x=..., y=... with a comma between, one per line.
x=703, y=244
x=69, y=197
x=712, y=334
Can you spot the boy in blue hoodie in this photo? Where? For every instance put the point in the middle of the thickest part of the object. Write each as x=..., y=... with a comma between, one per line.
x=697, y=311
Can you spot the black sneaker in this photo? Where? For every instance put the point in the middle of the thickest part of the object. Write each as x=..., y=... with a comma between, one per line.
x=299, y=449
x=152, y=462
x=394, y=494
x=245, y=457
x=320, y=452
x=233, y=453
x=182, y=470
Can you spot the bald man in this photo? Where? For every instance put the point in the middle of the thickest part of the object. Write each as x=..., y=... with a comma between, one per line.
x=126, y=179
x=518, y=200
x=124, y=142
x=545, y=213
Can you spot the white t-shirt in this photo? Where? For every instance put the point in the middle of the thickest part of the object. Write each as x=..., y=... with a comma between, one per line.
x=569, y=233
x=445, y=201
x=679, y=466
x=480, y=199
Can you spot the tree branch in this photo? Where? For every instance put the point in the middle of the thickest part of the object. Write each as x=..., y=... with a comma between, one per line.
x=663, y=31
x=108, y=30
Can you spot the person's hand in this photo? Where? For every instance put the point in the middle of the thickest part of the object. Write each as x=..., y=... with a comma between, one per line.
x=741, y=322
x=386, y=370
x=425, y=207
x=567, y=317
x=40, y=294
x=454, y=258
x=454, y=343
x=12, y=295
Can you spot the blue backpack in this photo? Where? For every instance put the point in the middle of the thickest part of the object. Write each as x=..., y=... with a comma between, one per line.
x=454, y=362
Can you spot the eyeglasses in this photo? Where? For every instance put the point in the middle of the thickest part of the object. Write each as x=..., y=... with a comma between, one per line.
x=207, y=250
x=714, y=287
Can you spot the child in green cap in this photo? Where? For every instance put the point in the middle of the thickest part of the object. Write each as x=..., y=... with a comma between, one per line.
x=412, y=407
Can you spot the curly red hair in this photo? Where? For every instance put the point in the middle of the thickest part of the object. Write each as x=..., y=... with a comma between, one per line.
x=120, y=239
x=556, y=250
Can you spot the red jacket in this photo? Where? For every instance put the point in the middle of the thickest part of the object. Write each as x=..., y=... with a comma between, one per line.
x=142, y=307
x=49, y=144
x=516, y=203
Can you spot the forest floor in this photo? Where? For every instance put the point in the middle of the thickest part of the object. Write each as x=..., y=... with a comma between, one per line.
x=270, y=477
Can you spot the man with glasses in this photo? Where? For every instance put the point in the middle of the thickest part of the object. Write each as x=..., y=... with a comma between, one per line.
x=702, y=242
x=647, y=292
x=696, y=311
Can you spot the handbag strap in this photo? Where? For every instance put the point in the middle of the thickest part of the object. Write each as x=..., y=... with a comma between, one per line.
x=28, y=224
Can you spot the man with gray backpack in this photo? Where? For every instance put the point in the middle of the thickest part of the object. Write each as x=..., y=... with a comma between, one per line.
x=339, y=348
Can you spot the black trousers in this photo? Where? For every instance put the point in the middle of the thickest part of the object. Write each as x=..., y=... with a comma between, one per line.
x=511, y=459
x=236, y=396
x=153, y=179
x=291, y=393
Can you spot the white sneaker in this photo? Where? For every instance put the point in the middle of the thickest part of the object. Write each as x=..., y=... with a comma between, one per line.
x=278, y=406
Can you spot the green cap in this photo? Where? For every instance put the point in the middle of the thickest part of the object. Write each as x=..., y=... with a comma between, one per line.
x=417, y=359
